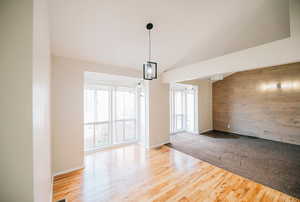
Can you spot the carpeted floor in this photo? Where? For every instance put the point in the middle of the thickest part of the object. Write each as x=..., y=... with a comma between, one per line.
x=271, y=163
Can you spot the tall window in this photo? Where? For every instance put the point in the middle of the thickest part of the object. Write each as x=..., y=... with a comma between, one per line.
x=183, y=100
x=179, y=113
x=190, y=109
x=109, y=116
x=125, y=120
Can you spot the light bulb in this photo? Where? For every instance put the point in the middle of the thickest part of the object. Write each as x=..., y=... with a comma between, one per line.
x=149, y=70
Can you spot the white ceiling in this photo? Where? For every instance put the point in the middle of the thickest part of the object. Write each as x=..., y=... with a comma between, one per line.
x=185, y=32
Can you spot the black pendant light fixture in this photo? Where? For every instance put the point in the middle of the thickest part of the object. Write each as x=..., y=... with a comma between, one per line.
x=150, y=67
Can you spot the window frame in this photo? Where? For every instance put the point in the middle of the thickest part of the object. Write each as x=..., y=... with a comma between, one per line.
x=112, y=89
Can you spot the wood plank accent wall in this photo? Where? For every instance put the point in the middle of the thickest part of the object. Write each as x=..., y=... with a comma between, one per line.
x=263, y=103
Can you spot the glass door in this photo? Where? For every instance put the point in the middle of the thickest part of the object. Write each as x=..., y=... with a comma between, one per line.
x=142, y=116
x=179, y=111
x=190, y=110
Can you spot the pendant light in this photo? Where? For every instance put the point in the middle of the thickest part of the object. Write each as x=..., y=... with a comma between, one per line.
x=149, y=67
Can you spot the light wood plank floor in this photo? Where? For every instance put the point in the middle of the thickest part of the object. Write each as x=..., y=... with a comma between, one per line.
x=133, y=173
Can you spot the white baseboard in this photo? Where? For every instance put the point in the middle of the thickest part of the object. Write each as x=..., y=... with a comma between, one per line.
x=67, y=171
x=160, y=144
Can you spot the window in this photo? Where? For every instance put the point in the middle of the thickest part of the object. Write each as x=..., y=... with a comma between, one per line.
x=109, y=116
x=183, y=106
x=179, y=109
x=190, y=112
x=125, y=114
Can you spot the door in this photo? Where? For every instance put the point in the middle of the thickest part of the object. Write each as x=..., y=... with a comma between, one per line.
x=179, y=111
x=142, y=117
x=190, y=110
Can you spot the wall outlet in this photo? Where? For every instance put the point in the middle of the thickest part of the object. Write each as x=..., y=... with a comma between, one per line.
x=228, y=125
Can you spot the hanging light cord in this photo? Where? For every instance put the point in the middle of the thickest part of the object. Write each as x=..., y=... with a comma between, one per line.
x=149, y=45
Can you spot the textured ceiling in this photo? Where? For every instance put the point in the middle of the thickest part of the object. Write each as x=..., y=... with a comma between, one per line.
x=185, y=32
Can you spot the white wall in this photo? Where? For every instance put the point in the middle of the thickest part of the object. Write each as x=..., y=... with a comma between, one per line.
x=24, y=104
x=42, y=176
x=205, y=105
x=16, y=101
x=205, y=122
x=67, y=109
x=159, y=115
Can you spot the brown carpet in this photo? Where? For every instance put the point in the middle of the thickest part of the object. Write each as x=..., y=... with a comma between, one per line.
x=271, y=163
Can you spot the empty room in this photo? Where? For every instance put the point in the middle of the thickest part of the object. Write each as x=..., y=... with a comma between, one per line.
x=136, y=100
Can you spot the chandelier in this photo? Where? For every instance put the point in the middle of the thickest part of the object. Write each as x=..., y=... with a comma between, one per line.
x=149, y=67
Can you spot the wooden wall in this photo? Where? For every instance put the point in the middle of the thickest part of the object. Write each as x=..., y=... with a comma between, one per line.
x=263, y=103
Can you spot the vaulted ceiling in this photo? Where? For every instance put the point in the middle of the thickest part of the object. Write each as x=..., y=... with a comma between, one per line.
x=185, y=32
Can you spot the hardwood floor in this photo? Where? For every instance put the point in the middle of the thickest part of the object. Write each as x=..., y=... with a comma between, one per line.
x=246, y=156
x=133, y=173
